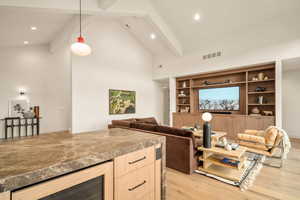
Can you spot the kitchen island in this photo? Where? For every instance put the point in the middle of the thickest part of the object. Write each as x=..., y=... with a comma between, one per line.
x=28, y=165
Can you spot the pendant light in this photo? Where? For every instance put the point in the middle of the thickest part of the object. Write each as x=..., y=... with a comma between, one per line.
x=80, y=48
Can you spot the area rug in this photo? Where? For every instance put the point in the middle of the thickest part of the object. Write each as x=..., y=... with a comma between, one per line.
x=252, y=168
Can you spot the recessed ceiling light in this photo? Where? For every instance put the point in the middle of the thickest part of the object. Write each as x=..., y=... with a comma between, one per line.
x=152, y=36
x=197, y=17
x=26, y=42
x=33, y=28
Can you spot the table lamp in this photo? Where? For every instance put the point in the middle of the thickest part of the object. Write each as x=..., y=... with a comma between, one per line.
x=207, y=117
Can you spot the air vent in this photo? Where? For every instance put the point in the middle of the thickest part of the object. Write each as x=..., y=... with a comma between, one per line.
x=212, y=55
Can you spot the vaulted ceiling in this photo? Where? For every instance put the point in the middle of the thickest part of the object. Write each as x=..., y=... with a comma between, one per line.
x=171, y=20
x=221, y=19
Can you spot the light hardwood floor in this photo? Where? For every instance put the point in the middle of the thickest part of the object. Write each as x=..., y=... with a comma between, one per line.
x=271, y=183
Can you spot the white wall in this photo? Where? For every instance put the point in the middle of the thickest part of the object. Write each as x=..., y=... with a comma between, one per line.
x=45, y=76
x=291, y=106
x=117, y=62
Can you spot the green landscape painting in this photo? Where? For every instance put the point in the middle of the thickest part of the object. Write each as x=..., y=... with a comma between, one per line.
x=121, y=102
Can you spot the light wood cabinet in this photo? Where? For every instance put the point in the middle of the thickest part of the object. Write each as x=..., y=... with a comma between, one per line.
x=138, y=175
x=136, y=184
x=134, y=176
x=133, y=161
x=5, y=196
x=231, y=124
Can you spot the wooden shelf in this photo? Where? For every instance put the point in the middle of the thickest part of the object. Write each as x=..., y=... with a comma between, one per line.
x=218, y=85
x=184, y=97
x=261, y=81
x=217, y=161
x=264, y=92
x=257, y=104
x=241, y=77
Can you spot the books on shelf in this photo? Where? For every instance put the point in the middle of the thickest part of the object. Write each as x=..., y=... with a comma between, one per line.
x=231, y=162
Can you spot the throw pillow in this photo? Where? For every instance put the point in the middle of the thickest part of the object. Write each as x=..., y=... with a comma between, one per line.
x=143, y=126
x=122, y=123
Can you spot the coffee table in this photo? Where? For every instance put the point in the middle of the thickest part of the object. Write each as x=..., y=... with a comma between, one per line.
x=212, y=162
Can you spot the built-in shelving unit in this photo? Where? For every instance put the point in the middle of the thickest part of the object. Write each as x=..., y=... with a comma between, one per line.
x=257, y=88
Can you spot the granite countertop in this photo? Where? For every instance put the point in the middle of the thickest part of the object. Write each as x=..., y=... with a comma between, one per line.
x=31, y=160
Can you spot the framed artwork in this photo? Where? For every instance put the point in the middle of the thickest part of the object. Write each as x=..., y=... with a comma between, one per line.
x=121, y=102
x=17, y=107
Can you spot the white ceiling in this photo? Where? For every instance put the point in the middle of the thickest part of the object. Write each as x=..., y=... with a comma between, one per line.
x=15, y=25
x=141, y=28
x=221, y=18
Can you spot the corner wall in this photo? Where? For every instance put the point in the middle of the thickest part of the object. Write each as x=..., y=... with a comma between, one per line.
x=46, y=78
x=117, y=62
x=291, y=107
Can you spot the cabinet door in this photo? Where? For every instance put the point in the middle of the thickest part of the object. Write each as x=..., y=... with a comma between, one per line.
x=238, y=125
x=5, y=196
x=268, y=121
x=185, y=119
x=259, y=123
x=219, y=123
x=254, y=123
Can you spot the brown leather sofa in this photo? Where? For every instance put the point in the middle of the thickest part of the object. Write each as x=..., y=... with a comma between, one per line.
x=180, y=144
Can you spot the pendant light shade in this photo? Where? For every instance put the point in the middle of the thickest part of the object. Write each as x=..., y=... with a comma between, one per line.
x=80, y=48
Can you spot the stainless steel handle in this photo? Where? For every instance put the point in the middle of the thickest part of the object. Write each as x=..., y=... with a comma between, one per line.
x=138, y=160
x=135, y=187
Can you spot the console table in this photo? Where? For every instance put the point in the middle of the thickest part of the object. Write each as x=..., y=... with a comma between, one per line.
x=12, y=123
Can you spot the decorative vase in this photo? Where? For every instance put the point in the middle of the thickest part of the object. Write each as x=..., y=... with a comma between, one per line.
x=260, y=99
x=261, y=76
x=255, y=110
x=36, y=110
x=184, y=84
x=228, y=147
x=207, y=135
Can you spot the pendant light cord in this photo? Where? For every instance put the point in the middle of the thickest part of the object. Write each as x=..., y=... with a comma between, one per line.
x=80, y=17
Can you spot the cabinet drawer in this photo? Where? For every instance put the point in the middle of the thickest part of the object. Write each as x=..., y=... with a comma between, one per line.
x=130, y=162
x=149, y=196
x=135, y=185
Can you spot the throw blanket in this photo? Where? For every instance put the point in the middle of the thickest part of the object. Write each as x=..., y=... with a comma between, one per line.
x=286, y=141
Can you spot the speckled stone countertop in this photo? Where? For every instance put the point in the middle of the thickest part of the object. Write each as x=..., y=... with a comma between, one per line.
x=31, y=160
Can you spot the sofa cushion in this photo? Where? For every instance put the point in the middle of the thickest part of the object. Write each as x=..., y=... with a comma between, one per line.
x=270, y=136
x=174, y=131
x=178, y=132
x=149, y=120
x=143, y=126
x=122, y=123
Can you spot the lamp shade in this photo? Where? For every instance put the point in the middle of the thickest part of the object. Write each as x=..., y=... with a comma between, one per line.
x=80, y=48
x=207, y=117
